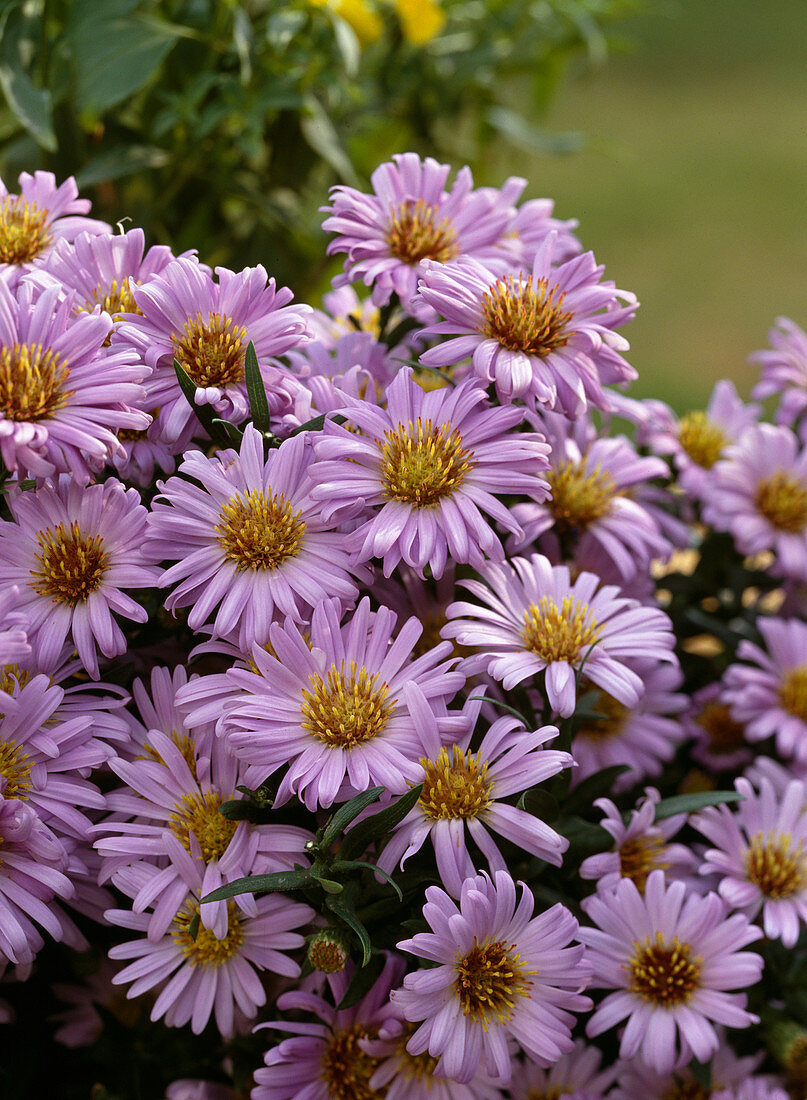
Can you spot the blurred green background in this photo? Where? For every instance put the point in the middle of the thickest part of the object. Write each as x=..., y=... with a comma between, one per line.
x=691, y=185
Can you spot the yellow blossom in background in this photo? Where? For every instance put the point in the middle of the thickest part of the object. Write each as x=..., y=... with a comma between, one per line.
x=421, y=20
x=361, y=15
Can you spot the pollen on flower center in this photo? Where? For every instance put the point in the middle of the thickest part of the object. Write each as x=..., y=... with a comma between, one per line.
x=687, y=1090
x=15, y=768
x=258, y=532
x=421, y=1067
x=490, y=978
x=114, y=299
x=415, y=232
x=782, y=500
x=664, y=974
x=776, y=865
x=793, y=692
x=421, y=464
x=701, y=438
x=526, y=316
x=12, y=676
x=200, y=814
x=641, y=855
x=559, y=634
x=184, y=742
x=33, y=382
x=70, y=564
x=454, y=788
x=346, y=1069
x=724, y=734
x=610, y=716
x=579, y=497
x=206, y=950
x=211, y=352
x=23, y=230
x=346, y=708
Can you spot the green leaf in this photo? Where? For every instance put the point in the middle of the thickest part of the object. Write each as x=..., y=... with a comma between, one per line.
x=347, y=915
x=361, y=865
x=32, y=106
x=540, y=803
x=280, y=882
x=594, y=786
x=522, y=133
x=241, y=809
x=363, y=980
x=329, y=885
x=256, y=391
x=204, y=413
x=321, y=135
x=346, y=813
x=318, y=423
x=378, y=825
x=503, y=706
x=193, y=926
x=690, y=803
x=120, y=161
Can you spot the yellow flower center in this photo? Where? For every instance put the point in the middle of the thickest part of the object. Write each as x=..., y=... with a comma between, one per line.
x=612, y=720
x=258, y=532
x=184, y=742
x=23, y=230
x=346, y=708
x=422, y=464
x=13, y=677
x=579, y=497
x=686, y=1090
x=701, y=438
x=70, y=564
x=418, y=1067
x=211, y=352
x=206, y=950
x=199, y=814
x=15, y=768
x=562, y=633
x=664, y=974
x=455, y=787
x=793, y=692
x=526, y=317
x=327, y=955
x=346, y=1069
x=114, y=299
x=552, y=1092
x=641, y=855
x=415, y=232
x=33, y=382
x=489, y=980
x=776, y=865
x=724, y=734
x=782, y=500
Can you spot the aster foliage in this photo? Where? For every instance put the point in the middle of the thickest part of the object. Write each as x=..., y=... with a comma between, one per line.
x=324, y=759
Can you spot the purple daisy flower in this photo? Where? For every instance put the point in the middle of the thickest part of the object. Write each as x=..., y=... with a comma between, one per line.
x=719, y=739
x=63, y=397
x=640, y=846
x=184, y=314
x=536, y=619
x=13, y=638
x=727, y=1072
x=759, y=853
x=546, y=338
x=465, y=790
x=784, y=371
x=215, y=973
x=578, y=1072
x=530, y=227
x=72, y=551
x=428, y=466
x=335, y=708
x=768, y=695
x=157, y=708
x=758, y=493
x=591, y=513
x=194, y=1089
x=500, y=975
x=248, y=539
x=755, y=1088
x=40, y=216
x=672, y=958
x=410, y=217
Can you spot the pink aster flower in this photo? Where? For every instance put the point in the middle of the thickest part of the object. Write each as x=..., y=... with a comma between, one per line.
x=784, y=371
x=465, y=791
x=640, y=846
x=42, y=214
x=428, y=467
x=755, y=1088
x=546, y=338
x=215, y=973
x=672, y=959
x=537, y=619
x=577, y=1073
x=193, y=1089
x=248, y=540
x=156, y=708
x=63, y=396
x=758, y=493
x=759, y=853
x=184, y=314
x=72, y=551
x=636, y=1079
x=720, y=743
x=592, y=514
x=768, y=694
x=334, y=707
x=502, y=974
x=529, y=229
x=13, y=639
x=408, y=218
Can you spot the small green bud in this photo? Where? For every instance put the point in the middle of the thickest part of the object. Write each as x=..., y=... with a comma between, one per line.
x=327, y=952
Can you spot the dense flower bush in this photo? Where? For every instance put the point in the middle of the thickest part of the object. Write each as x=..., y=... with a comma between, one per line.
x=390, y=705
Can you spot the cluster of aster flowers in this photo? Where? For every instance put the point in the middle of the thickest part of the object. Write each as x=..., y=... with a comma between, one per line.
x=391, y=706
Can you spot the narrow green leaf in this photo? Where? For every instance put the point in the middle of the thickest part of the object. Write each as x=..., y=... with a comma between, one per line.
x=502, y=706
x=32, y=106
x=256, y=391
x=690, y=803
x=361, y=865
x=329, y=885
x=193, y=927
x=234, y=434
x=540, y=803
x=280, y=882
x=241, y=809
x=346, y=813
x=373, y=828
x=318, y=423
x=322, y=136
x=347, y=915
x=203, y=413
x=363, y=980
